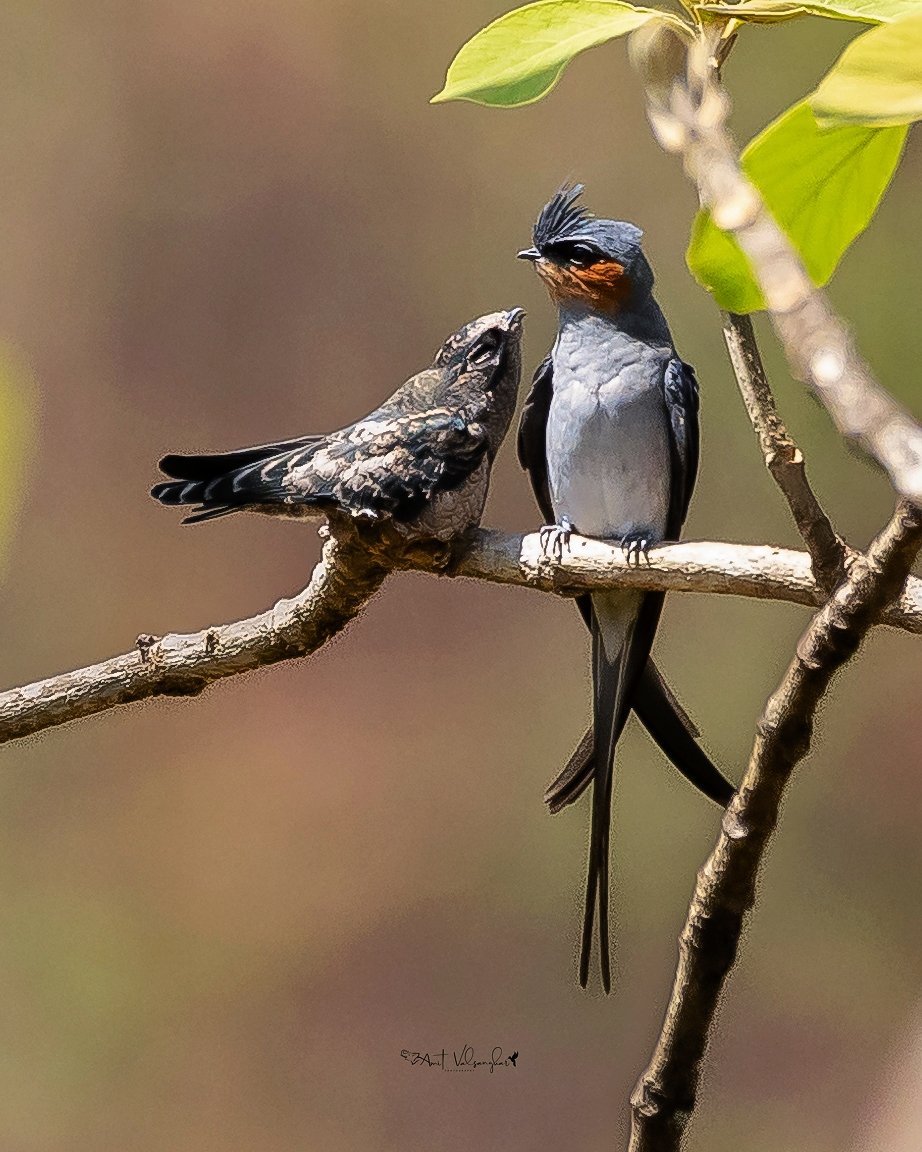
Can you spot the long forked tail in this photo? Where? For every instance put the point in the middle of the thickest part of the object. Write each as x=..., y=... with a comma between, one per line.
x=673, y=730
x=609, y=713
x=220, y=483
x=629, y=626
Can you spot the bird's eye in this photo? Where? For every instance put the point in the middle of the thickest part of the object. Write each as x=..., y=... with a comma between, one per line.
x=485, y=348
x=582, y=255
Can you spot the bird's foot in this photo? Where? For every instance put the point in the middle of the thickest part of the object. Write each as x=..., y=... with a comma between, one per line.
x=635, y=547
x=555, y=538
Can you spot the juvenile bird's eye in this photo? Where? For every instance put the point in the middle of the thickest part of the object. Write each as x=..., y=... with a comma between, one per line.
x=485, y=348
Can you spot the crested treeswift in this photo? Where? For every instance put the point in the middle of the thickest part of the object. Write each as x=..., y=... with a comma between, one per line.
x=417, y=467
x=609, y=437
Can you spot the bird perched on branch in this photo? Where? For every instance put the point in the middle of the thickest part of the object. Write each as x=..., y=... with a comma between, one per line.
x=609, y=437
x=415, y=469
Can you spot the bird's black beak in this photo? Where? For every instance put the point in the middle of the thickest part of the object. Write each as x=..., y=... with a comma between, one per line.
x=529, y=254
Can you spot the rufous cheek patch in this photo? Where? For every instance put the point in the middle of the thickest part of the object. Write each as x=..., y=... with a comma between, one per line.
x=603, y=285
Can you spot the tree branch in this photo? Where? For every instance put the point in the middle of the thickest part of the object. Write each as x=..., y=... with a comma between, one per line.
x=754, y=571
x=183, y=665
x=688, y=110
x=346, y=577
x=783, y=458
x=665, y=1096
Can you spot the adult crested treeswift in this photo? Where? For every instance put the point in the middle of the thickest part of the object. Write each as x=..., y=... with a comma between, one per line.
x=609, y=436
x=415, y=469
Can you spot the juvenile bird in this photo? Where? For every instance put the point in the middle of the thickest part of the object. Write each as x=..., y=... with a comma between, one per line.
x=609, y=437
x=415, y=469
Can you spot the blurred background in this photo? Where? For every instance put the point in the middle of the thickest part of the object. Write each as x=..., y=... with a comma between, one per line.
x=221, y=921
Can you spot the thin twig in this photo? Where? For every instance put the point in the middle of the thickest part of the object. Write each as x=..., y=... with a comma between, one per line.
x=664, y=1098
x=688, y=110
x=183, y=665
x=783, y=458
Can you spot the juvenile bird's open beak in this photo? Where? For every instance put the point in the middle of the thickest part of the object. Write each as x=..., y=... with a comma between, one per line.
x=529, y=254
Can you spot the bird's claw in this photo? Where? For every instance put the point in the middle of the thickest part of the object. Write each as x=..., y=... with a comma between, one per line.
x=635, y=547
x=555, y=538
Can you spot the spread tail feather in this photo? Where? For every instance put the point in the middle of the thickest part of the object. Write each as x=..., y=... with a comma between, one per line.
x=178, y=492
x=609, y=712
x=672, y=729
x=211, y=481
x=574, y=778
x=622, y=633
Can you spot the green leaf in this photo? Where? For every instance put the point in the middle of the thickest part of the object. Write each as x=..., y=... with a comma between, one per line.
x=15, y=424
x=519, y=57
x=771, y=11
x=715, y=260
x=823, y=189
x=877, y=80
x=756, y=11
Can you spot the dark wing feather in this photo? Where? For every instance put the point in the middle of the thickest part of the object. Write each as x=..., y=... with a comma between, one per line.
x=390, y=470
x=418, y=456
x=531, y=442
x=680, y=388
x=531, y=445
x=206, y=467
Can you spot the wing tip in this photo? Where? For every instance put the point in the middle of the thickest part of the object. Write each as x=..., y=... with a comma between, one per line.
x=209, y=514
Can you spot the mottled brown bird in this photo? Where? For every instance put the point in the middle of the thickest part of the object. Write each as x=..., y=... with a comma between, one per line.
x=417, y=468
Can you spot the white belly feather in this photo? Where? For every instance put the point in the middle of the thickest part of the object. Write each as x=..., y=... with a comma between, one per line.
x=609, y=474
x=608, y=460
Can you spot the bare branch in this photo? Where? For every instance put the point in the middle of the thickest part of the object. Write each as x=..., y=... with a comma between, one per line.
x=665, y=1096
x=688, y=113
x=183, y=665
x=688, y=109
x=755, y=571
x=783, y=458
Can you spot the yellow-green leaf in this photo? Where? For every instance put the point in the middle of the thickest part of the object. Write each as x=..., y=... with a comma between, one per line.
x=877, y=80
x=772, y=11
x=519, y=57
x=823, y=189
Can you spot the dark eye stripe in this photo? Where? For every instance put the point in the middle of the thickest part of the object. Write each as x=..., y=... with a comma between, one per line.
x=576, y=252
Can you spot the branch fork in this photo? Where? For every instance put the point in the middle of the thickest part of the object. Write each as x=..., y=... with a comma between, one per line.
x=688, y=109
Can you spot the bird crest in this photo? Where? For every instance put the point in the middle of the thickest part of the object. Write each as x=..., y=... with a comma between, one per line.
x=561, y=216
